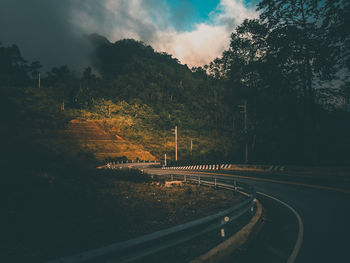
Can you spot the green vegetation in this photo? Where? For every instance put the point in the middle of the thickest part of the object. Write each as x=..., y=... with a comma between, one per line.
x=290, y=68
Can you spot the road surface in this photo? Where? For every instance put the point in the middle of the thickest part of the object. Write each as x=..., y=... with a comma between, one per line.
x=322, y=205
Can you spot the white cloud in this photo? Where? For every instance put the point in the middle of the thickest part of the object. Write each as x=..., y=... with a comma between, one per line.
x=232, y=12
x=148, y=20
x=194, y=48
x=207, y=40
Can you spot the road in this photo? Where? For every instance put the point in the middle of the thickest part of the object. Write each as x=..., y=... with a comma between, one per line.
x=324, y=214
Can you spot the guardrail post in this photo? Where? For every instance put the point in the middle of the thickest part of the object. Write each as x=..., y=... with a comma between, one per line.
x=222, y=232
x=172, y=177
x=199, y=180
x=185, y=177
x=235, y=184
x=215, y=181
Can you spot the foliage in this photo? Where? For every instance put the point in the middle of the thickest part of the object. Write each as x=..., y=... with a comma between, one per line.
x=290, y=67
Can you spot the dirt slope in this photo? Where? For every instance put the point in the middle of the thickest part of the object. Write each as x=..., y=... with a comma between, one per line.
x=87, y=137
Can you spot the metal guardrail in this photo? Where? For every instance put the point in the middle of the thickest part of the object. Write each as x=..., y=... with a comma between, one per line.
x=128, y=164
x=140, y=247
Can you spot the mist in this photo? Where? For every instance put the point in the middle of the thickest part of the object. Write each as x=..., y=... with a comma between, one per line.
x=44, y=31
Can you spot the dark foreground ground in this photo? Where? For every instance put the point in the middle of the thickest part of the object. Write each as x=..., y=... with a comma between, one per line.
x=45, y=216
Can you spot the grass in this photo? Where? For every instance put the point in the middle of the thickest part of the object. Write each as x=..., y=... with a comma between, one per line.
x=158, y=141
x=89, y=137
x=116, y=137
x=146, y=133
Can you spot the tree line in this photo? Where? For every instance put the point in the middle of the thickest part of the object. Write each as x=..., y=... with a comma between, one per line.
x=291, y=68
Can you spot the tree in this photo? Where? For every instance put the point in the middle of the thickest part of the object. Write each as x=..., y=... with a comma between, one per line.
x=295, y=38
x=335, y=24
x=64, y=83
x=241, y=69
x=13, y=68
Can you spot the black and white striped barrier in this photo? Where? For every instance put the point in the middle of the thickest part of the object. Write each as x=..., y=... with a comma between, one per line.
x=200, y=167
x=272, y=168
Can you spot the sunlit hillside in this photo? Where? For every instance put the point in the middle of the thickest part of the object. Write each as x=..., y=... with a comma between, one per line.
x=88, y=137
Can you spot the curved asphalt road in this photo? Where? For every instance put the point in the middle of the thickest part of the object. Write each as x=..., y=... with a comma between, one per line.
x=325, y=215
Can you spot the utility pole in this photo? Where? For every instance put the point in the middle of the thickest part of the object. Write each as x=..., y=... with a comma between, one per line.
x=175, y=132
x=244, y=106
x=191, y=146
x=246, y=130
x=176, y=143
x=39, y=80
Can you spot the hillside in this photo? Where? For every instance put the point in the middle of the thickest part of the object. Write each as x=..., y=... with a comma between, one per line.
x=88, y=137
x=132, y=91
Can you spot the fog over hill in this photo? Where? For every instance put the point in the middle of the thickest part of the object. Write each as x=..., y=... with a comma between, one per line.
x=43, y=31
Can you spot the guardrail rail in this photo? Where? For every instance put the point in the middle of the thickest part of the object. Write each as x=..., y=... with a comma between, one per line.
x=140, y=247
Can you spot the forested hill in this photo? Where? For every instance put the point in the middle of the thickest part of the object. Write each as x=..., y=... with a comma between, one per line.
x=140, y=93
x=133, y=70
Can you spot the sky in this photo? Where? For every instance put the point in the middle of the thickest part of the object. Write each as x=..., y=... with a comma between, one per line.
x=51, y=31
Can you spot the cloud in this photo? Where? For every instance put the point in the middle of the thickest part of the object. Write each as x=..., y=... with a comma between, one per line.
x=194, y=48
x=232, y=12
x=53, y=31
x=43, y=31
x=151, y=22
x=118, y=19
x=207, y=40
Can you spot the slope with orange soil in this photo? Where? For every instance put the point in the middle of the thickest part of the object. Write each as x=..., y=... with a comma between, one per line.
x=89, y=137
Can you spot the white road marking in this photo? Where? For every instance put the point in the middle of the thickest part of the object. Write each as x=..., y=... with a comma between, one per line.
x=297, y=246
x=299, y=241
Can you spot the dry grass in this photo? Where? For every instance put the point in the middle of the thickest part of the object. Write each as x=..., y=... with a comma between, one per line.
x=89, y=137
